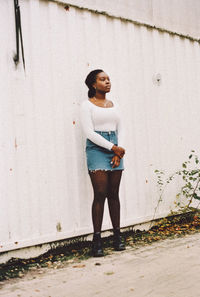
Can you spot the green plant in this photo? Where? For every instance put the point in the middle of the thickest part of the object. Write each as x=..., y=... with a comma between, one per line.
x=190, y=189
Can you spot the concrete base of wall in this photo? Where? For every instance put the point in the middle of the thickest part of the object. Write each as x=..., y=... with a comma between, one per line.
x=38, y=250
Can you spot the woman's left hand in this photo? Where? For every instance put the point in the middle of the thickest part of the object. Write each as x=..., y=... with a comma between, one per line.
x=115, y=161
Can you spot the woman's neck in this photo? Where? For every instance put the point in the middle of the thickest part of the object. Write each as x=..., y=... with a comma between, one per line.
x=100, y=96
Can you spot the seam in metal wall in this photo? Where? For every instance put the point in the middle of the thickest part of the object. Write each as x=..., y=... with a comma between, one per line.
x=171, y=17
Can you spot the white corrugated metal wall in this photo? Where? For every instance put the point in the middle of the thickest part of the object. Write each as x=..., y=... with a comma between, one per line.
x=45, y=190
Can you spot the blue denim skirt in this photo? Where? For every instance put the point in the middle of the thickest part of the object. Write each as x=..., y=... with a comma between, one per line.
x=99, y=158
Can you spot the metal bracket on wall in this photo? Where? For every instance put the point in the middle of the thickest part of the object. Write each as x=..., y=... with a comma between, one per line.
x=19, y=37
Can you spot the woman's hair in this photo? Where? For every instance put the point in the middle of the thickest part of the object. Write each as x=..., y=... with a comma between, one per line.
x=90, y=80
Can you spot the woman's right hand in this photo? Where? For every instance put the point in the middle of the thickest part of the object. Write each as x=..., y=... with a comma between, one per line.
x=118, y=150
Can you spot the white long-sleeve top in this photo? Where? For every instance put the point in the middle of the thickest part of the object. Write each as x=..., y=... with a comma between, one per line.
x=105, y=119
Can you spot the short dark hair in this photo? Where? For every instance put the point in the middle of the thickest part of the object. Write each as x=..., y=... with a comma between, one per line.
x=90, y=80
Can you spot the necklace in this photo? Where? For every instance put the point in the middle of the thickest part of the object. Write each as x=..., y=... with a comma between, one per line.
x=104, y=104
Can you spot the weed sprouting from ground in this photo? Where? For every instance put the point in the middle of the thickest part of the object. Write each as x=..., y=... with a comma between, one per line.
x=190, y=189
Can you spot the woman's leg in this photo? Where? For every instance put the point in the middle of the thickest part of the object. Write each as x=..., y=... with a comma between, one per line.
x=99, y=181
x=113, y=197
x=114, y=207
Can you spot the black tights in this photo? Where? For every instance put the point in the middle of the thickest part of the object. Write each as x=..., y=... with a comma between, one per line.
x=105, y=185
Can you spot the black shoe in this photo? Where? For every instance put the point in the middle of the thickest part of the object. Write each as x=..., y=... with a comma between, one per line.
x=97, y=250
x=117, y=241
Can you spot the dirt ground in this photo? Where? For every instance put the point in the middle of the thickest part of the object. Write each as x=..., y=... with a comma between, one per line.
x=168, y=268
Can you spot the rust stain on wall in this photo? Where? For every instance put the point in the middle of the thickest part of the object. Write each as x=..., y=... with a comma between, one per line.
x=16, y=143
x=58, y=227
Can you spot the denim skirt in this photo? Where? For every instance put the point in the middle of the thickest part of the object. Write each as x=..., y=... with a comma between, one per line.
x=99, y=158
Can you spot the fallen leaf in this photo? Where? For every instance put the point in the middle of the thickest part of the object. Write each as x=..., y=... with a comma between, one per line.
x=109, y=273
x=79, y=266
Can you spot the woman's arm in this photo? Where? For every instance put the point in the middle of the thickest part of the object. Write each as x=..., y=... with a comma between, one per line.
x=88, y=128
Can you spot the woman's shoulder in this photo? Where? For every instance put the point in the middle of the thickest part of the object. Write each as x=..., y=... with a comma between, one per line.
x=113, y=99
x=85, y=105
x=115, y=103
x=85, y=102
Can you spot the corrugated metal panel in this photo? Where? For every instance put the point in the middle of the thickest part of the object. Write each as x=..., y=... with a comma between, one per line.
x=45, y=190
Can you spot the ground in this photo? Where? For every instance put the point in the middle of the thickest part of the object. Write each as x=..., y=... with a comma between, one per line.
x=165, y=268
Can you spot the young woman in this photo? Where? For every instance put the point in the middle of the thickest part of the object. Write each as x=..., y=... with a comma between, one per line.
x=102, y=125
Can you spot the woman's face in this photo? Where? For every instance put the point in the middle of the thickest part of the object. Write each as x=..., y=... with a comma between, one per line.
x=102, y=83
